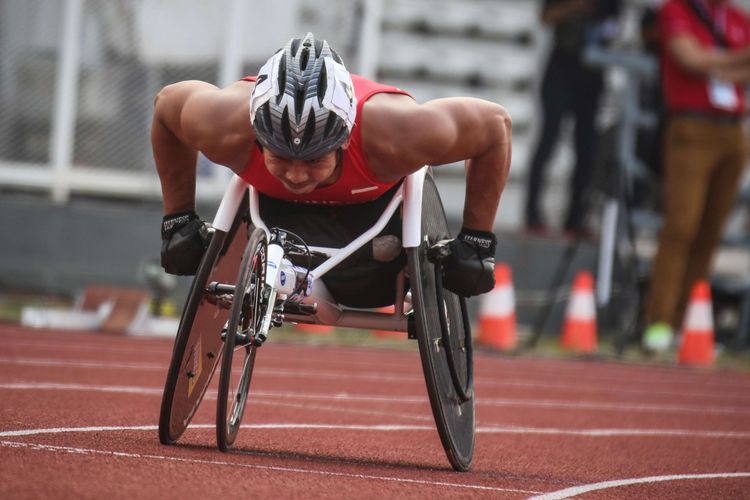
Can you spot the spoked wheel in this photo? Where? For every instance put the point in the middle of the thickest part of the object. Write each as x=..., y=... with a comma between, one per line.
x=444, y=337
x=198, y=345
x=245, y=322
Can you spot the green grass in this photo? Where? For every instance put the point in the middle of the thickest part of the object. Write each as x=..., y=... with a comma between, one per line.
x=547, y=346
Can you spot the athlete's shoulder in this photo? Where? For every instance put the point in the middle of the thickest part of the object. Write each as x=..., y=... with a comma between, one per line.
x=365, y=88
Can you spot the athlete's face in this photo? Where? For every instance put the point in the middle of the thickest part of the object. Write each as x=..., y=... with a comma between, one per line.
x=301, y=176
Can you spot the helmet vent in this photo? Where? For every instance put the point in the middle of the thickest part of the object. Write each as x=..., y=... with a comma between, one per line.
x=309, y=128
x=282, y=79
x=266, y=109
x=286, y=129
x=304, y=57
x=318, y=48
x=336, y=56
x=329, y=124
x=299, y=102
x=322, y=84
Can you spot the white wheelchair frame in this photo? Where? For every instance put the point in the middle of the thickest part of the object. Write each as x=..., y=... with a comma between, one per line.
x=327, y=310
x=195, y=354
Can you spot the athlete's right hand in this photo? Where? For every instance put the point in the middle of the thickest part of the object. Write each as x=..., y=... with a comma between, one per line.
x=184, y=238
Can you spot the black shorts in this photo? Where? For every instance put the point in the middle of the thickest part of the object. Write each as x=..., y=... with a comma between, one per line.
x=359, y=281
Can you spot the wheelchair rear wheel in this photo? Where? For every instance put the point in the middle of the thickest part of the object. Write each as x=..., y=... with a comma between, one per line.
x=245, y=322
x=198, y=345
x=444, y=338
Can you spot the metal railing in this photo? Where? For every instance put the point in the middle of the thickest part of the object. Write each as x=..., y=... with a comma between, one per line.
x=78, y=78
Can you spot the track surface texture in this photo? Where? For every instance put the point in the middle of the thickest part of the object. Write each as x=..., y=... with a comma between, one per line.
x=79, y=420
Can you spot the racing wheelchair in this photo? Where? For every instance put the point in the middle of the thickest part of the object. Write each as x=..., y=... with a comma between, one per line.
x=254, y=278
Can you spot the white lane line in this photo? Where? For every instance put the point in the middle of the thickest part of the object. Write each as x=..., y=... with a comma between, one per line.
x=65, y=430
x=106, y=365
x=620, y=407
x=67, y=345
x=609, y=389
x=578, y=405
x=568, y=369
x=578, y=490
x=383, y=377
x=339, y=409
x=689, y=433
x=275, y=356
x=367, y=477
x=106, y=428
x=54, y=386
x=211, y=395
x=617, y=373
x=162, y=367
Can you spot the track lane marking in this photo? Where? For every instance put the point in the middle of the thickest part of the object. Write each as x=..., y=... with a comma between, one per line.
x=275, y=356
x=578, y=490
x=368, y=477
x=211, y=396
x=375, y=377
x=556, y=368
x=614, y=432
x=690, y=433
x=547, y=367
x=504, y=402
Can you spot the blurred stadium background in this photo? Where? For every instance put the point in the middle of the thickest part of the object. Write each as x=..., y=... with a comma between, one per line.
x=79, y=195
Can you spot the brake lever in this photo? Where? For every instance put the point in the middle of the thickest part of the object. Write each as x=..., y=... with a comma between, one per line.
x=440, y=251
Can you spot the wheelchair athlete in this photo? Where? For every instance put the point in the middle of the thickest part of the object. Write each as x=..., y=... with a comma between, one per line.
x=309, y=136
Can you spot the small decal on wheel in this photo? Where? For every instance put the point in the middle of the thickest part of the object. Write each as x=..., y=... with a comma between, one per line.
x=194, y=372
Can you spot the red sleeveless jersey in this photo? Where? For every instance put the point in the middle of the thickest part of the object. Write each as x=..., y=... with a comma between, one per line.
x=357, y=183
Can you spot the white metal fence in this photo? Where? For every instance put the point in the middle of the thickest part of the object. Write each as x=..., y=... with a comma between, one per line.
x=78, y=77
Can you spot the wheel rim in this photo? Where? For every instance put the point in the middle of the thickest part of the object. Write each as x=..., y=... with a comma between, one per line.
x=245, y=319
x=198, y=340
x=454, y=420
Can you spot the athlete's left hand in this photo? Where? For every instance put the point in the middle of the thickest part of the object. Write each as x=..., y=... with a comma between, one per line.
x=468, y=262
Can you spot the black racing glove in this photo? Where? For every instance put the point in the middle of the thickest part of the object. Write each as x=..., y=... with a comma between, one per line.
x=468, y=262
x=184, y=238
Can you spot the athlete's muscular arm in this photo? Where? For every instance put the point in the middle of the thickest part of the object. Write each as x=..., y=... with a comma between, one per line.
x=194, y=116
x=445, y=131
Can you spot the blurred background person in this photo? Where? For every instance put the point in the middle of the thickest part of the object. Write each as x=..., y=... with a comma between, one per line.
x=706, y=62
x=570, y=87
x=649, y=140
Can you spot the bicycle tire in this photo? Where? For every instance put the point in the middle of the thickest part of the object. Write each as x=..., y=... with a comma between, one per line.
x=197, y=347
x=246, y=314
x=454, y=418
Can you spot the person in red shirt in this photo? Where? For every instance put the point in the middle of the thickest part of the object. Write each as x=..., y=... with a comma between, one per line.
x=305, y=131
x=706, y=64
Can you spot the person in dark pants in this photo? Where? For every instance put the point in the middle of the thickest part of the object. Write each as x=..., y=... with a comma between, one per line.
x=569, y=87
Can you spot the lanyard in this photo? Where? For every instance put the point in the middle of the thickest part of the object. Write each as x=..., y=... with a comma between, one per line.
x=716, y=24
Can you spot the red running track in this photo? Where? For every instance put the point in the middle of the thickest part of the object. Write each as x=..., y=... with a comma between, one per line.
x=79, y=413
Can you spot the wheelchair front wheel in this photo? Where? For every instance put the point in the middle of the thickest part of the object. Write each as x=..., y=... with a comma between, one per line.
x=245, y=322
x=197, y=346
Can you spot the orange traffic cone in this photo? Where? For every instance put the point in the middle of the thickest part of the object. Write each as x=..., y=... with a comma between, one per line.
x=393, y=334
x=579, y=329
x=497, y=312
x=697, y=345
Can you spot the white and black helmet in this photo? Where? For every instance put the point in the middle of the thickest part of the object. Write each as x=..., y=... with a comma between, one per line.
x=303, y=105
